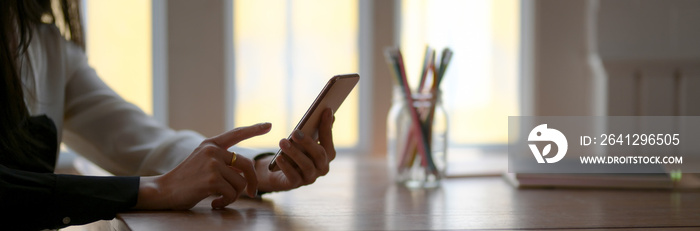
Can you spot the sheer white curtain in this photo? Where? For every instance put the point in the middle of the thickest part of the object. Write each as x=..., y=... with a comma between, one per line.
x=480, y=86
x=285, y=51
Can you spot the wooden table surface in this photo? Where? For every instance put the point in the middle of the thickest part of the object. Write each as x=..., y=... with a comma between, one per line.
x=356, y=195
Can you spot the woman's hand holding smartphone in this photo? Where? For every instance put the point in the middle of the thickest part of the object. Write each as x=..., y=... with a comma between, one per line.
x=306, y=154
x=332, y=96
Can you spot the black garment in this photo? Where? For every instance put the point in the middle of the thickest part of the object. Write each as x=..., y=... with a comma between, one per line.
x=32, y=197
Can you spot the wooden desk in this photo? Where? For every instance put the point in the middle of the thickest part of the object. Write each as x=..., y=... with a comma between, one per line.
x=357, y=195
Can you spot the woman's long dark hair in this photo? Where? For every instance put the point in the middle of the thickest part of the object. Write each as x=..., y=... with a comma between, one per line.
x=18, y=18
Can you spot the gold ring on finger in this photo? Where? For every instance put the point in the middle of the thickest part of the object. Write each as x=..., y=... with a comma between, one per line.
x=233, y=159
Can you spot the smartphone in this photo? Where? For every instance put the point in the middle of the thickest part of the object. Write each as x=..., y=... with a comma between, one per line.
x=333, y=94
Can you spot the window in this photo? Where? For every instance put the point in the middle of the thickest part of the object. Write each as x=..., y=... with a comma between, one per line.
x=118, y=35
x=480, y=88
x=285, y=51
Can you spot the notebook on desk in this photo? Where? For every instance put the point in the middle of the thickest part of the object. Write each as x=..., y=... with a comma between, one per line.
x=570, y=173
x=612, y=181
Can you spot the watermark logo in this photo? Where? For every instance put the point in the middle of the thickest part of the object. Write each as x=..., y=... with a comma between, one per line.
x=542, y=133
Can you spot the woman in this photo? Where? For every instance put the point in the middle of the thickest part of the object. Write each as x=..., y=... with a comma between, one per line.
x=49, y=95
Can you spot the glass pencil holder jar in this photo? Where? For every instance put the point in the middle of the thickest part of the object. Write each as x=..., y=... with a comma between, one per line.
x=417, y=152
